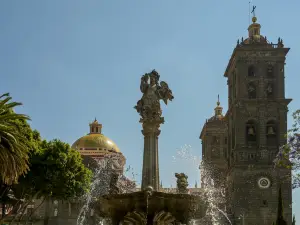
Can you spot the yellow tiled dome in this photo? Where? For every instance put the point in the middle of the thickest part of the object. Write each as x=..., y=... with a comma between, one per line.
x=95, y=141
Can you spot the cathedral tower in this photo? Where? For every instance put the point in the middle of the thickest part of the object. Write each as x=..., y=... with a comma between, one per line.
x=257, y=124
x=214, y=149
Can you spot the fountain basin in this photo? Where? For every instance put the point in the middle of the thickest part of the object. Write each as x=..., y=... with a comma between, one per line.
x=152, y=207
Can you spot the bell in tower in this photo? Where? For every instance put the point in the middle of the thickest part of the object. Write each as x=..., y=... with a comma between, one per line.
x=251, y=131
x=270, y=131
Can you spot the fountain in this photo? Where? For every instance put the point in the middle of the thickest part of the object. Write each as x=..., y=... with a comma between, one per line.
x=150, y=205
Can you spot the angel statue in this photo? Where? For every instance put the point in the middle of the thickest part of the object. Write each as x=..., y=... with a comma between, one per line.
x=149, y=106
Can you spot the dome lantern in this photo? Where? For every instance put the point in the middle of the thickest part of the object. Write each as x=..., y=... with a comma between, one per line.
x=218, y=109
x=95, y=127
x=254, y=28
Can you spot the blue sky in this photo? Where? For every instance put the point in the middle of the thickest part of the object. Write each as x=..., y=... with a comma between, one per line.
x=69, y=61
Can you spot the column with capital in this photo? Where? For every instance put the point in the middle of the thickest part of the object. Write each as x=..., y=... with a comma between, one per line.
x=150, y=174
x=150, y=111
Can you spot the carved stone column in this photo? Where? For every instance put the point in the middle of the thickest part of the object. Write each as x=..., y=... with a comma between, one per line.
x=150, y=176
x=150, y=111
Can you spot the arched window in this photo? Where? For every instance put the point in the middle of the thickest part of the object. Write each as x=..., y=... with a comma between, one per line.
x=271, y=133
x=251, y=71
x=251, y=91
x=251, y=134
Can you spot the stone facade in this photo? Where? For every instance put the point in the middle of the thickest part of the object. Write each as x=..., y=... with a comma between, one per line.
x=255, y=126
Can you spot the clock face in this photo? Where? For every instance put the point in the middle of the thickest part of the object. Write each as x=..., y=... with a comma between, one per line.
x=264, y=183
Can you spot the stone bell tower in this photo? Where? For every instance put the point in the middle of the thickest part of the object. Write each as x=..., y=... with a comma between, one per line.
x=257, y=124
x=214, y=149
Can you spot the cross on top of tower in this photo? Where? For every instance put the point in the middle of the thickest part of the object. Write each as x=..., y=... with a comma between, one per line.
x=218, y=109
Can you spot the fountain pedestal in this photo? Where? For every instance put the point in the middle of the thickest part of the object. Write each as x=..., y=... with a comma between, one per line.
x=150, y=174
x=149, y=207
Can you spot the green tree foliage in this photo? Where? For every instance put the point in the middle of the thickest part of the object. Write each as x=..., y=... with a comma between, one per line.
x=289, y=154
x=13, y=146
x=56, y=171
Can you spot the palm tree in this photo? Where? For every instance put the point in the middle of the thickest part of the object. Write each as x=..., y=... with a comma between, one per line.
x=13, y=149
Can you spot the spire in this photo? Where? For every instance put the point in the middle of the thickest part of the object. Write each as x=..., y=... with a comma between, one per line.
x=95, y=127
x=218, y=109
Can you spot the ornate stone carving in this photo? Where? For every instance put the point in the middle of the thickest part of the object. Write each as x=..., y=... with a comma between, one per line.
x=182, y=183
x=251, y=91
x=271, y=63
x=249, y=61
x=149, y=105
x=163, y=218
x=264, y=183
x=268, y=90
x=135, y=218
x=257, y=54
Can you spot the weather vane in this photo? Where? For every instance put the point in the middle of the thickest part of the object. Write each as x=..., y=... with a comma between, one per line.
x=253, y=10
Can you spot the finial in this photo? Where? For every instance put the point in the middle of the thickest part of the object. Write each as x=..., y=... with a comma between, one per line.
x=95, y=119
x=218, y=102
x=254, y=19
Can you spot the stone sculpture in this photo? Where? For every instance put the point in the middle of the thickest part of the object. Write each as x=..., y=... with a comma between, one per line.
x=182, y=183
x=149, y=106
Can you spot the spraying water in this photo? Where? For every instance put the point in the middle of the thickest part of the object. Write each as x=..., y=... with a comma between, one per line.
x=101, y=186
x=214, y=196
